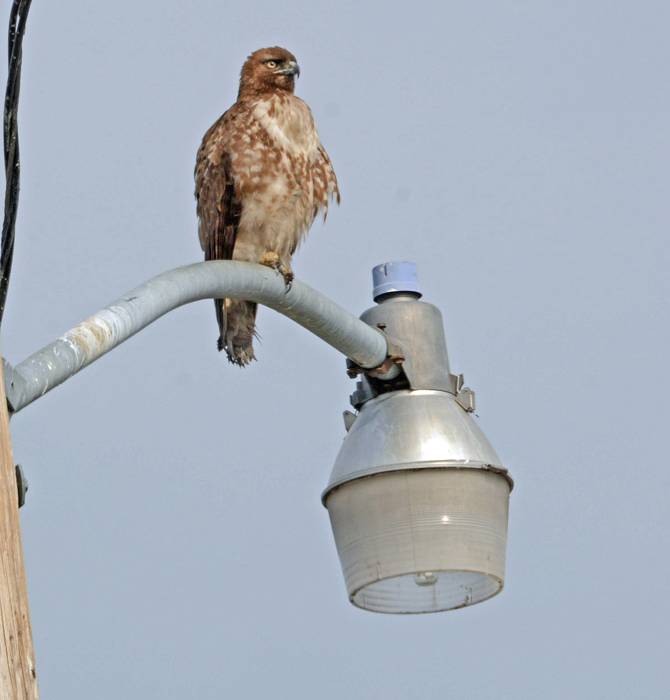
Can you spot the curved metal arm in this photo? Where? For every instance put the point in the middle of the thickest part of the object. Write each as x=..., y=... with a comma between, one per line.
x=134, y=311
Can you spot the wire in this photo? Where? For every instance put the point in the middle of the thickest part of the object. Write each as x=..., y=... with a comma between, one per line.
x=17, y=27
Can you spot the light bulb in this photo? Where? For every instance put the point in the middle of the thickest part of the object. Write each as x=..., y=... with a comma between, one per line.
x=425, y=578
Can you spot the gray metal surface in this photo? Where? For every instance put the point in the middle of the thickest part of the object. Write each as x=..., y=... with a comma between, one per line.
x=126, y=316
x=412, y=430
x=417, y=328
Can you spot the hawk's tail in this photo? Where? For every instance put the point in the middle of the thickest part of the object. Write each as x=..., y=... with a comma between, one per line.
x=237, y=327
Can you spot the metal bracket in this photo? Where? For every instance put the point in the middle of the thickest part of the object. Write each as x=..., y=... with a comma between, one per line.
x=364, y=392
x=349, y=420
x=465, y=397
x=15, y=385
x=21, y=484
x=388, y=369
x=353, y=370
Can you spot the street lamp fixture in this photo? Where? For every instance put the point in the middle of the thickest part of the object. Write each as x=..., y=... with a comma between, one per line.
x=418, y=498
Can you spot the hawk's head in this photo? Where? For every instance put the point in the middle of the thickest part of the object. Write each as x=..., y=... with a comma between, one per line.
x=269, y=70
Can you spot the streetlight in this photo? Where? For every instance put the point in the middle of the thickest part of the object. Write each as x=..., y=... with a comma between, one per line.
x=418, y=498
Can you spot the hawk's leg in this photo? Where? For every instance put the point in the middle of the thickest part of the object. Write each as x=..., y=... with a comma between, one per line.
x=271, y=259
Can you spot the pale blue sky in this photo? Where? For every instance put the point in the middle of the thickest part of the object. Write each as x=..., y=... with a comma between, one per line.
x=174, y=538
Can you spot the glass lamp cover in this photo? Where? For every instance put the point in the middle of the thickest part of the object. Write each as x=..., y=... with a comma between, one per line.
x=421, y=540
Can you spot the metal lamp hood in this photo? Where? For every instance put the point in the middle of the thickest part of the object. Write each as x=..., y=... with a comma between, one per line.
x=412, y=430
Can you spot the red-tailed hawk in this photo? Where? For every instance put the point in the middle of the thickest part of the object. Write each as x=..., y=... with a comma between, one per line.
x=261, y=178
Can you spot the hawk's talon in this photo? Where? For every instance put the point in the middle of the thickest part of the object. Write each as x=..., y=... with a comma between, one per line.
x=288, y=276
x=271, y=259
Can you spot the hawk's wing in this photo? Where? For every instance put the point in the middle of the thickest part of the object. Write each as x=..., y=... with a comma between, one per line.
x=219, y=210
x=325, y=183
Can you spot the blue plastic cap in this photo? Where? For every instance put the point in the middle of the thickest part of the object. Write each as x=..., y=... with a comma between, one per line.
x=394, y=277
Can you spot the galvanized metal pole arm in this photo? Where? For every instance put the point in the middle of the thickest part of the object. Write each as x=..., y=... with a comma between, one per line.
x=131, y=313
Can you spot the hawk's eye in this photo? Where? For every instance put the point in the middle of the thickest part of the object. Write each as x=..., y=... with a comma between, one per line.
x=271, y=64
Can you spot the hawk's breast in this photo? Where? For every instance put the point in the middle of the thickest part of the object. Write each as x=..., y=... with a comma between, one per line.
x=279, y=168
x=289, y=123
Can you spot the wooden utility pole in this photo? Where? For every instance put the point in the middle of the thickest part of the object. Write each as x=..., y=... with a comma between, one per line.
x=18, y=679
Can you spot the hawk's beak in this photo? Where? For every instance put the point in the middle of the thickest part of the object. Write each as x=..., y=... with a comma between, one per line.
x=292, y=69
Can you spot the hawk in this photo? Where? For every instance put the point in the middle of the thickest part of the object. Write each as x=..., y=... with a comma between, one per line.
x=261, y=178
